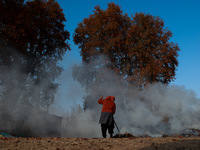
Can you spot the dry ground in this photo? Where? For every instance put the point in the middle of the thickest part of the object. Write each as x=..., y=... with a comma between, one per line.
x=148, y=143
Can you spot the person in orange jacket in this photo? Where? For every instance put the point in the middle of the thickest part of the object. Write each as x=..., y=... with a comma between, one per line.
x=107, y=112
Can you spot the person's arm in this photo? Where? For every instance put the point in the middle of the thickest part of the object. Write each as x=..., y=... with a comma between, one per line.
x=100, y=101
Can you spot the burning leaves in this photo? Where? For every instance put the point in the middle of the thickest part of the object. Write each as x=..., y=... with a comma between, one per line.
x=185, y=133
x=125, y=135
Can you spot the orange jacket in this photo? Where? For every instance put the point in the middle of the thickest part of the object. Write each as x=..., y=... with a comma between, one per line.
x=108, y=104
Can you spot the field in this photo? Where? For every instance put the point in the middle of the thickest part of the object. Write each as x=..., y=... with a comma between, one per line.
x=138, y=143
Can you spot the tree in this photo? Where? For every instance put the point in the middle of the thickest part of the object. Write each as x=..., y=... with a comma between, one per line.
x=104, y=33
x=33, y=40
x=152, y=57
x=139, y=48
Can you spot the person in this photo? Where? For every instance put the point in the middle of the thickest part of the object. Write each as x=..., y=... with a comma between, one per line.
x=107, y=112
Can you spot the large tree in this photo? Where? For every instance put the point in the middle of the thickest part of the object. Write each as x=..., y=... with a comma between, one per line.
x=103, y=33
x=152, y=57
x=32, y=42
x=139, y=48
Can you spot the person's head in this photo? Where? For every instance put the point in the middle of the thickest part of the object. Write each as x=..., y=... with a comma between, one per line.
x=111, y=98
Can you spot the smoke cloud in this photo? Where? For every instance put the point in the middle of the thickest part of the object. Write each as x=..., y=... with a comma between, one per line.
x=23, y=103
x=156, y=110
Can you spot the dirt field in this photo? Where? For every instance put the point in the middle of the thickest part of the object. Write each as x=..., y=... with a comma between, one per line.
x=148, y=143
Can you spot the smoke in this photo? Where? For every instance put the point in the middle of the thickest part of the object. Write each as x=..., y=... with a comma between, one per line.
x=164, y=109
x=69, y=94
x=25, y=98
x=157, y=109
x=81, y=124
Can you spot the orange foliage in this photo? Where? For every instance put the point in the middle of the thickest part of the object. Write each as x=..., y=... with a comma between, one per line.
x=35, y=31
x=34, y=27
x=139, y=48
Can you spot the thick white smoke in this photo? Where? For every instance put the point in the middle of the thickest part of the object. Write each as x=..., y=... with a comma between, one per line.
x=22, y=103
x=158, y=109
x=69, y=95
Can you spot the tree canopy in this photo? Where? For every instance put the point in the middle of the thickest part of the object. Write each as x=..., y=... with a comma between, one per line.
x=33, y=40
x=139, y=48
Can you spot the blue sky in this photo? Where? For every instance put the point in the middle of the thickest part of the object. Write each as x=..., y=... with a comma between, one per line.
x=182, y=17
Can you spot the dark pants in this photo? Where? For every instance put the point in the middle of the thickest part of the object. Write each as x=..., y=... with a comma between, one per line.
x=105, y=127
